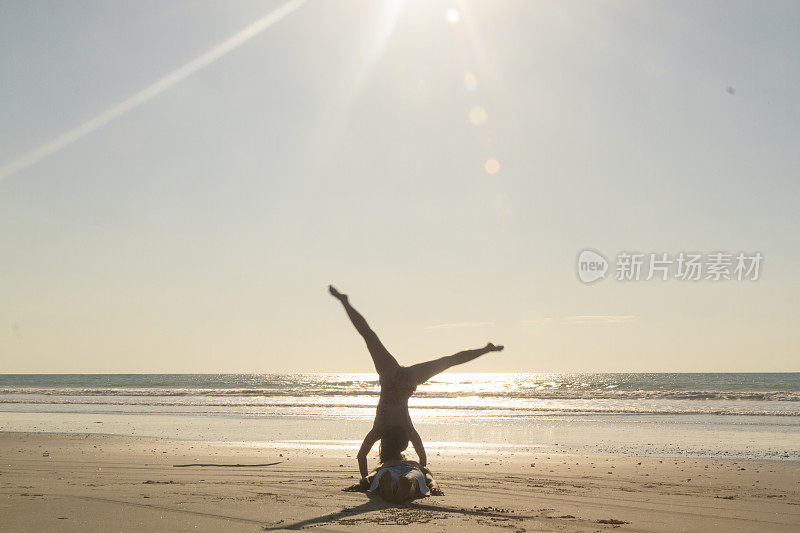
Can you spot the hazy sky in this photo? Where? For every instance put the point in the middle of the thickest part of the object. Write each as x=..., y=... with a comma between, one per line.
x=193, y=225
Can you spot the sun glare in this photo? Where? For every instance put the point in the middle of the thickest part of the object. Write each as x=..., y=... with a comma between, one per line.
x=452, y=16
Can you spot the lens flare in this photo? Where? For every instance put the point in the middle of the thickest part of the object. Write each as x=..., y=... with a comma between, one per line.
x=470, y=82
x=477, y=116
x=151, y=91
x=492, y=166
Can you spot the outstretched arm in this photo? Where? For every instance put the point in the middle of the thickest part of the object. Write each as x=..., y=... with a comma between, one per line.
x=432, y=485
x=416, y=441
x=372, y=437
x=422, y=372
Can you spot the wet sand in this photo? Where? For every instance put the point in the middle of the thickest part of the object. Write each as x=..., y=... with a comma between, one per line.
x=70, y=482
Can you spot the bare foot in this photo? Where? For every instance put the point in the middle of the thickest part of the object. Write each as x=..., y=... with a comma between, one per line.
x=386, y=487
x=336, y=294
x=405, y=490
x=492, y=348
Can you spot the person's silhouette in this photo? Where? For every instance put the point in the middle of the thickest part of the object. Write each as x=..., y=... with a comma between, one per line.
x=398, y=383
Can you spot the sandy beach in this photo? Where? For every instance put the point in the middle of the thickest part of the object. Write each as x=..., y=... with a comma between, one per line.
x=548, y=249
x=70, y=482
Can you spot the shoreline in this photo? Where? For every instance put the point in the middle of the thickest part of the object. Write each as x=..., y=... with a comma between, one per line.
x=73, y=482
x=341, y=451
x=685, y=437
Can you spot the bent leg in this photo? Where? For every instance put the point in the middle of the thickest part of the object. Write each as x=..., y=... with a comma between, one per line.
x=387, y=487
x=385, y=363
x=407, y=488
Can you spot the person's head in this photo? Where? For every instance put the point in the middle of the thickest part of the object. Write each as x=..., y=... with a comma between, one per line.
x=394, y=441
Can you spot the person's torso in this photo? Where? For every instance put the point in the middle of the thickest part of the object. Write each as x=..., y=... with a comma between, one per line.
x=393, y=402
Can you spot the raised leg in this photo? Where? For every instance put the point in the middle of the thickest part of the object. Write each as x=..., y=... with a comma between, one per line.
x=385, y=363
x=422, y=372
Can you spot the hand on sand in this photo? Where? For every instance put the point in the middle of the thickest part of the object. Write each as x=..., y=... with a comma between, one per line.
x=492, y=348
x=361, y=486
x=436, y=491
x=336, y=294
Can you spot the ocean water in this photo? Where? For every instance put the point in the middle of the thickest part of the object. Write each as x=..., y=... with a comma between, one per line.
x=704, y=414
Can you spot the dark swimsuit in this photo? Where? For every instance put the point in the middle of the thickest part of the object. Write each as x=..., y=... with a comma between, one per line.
x=396, y=389
x=399, y=384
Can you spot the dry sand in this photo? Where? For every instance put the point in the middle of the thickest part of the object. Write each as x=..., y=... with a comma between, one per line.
x=67, y=482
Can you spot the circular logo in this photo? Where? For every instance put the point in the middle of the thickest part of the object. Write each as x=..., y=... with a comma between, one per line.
x=592, y=266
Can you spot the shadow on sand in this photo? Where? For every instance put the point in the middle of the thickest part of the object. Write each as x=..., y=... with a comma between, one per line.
x=376, y=503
